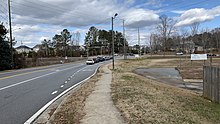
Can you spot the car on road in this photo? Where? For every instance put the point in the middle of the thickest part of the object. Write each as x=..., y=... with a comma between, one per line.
x=100, y=58
x=115, y=54
x=179, y=53
x=90, y=61
x=106, y=58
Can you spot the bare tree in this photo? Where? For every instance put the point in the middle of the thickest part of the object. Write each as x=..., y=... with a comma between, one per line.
x=184, y=33
x=194, y=28
x=205, y=37
x=75, y=38
x=216, y=34
x=165, y=27
x=151, y=43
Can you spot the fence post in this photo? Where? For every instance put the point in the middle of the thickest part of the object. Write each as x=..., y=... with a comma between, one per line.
x=218, y=83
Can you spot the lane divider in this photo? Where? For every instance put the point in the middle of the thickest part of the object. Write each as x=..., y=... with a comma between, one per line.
x=3, y=88
x=37, y=114
x=22, y=82
x=54, y=92
x=34, y=72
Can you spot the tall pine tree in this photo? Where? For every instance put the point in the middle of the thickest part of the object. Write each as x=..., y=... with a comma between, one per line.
x=5, y=53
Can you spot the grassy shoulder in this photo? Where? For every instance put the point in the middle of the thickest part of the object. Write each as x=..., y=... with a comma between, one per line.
x=143, y=100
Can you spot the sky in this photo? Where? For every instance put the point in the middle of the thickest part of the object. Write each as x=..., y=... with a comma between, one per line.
x=35, y=20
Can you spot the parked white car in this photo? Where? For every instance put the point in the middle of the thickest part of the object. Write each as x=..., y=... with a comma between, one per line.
x=90, y=61
x=179, y=53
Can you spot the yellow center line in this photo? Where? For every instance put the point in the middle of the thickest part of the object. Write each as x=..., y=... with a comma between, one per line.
x=23, y=74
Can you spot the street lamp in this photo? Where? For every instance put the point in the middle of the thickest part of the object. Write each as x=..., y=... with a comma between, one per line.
x=113, y=66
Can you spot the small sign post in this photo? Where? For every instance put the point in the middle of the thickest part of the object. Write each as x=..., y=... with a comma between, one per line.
x=198, y=57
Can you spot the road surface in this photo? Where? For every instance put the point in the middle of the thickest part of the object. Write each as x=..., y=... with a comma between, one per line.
x=23, y=92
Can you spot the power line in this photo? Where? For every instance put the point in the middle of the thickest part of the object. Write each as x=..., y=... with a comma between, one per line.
x=45, y=9
x=4, y=11
x=3, y=8
x=63, y=9
x=173, y=4
x=192, y=4
x=49, y=10
x=58, y=8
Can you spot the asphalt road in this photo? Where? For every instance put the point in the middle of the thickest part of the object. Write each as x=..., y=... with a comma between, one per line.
x=24, y=92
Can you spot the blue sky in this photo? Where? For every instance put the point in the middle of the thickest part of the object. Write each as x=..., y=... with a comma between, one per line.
x=36, y=20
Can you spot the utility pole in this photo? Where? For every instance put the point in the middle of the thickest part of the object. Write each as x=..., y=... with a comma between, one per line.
x=125, y=53
x=10, y=32
x=139, y=51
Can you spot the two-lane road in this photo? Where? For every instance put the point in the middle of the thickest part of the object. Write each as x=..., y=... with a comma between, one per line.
x=24, y=92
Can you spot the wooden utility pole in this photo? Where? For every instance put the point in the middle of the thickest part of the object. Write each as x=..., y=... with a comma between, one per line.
x=139, y=50
x=125, y=53
x=10, y=32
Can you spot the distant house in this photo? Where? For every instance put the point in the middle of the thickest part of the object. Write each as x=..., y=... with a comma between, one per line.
x=189, y=46
x=37, y=48
x=199, y=48
x=23, y=48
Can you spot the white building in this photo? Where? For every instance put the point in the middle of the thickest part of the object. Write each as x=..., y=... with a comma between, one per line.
x=23, y=48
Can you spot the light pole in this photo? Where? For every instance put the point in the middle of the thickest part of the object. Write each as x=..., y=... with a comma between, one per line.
x=113, y=64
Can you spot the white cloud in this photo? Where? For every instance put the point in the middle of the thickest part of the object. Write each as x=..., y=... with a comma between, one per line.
x=178, y=11
x=198, y=15
x=45, y=18
x=140, y=18
x=77, y=13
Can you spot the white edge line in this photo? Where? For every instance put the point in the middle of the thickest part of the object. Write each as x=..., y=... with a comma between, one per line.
x=32, y=118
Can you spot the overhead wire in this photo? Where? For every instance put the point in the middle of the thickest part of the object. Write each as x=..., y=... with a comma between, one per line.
x=3, y=11
x=49, y=10
x=189, y=5
x=55, y=7
x=62, y=9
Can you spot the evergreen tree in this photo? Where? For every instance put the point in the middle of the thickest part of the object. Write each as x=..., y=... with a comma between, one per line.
x=5, y=53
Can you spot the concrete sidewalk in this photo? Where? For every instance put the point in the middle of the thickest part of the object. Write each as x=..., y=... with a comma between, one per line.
x=99, y=106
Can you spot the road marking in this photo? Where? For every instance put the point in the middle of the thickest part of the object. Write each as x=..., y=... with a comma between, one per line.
x=54, y=92
x=87, y=70
x=22, y=82
x=62, y=86
x=33, y=72
x=66, y=82
x=3, y=88
x=32, y=118
x=22, y=74
x=78, y=71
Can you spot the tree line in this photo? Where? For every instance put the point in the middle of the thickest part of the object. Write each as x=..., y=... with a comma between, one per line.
x=168, y=37
x=100, y=41
x=65, y=44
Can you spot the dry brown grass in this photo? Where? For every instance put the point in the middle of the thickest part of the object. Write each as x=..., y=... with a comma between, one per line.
x=144, y=101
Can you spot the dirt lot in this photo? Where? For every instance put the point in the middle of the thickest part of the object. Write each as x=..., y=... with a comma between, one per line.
x=144, y=101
